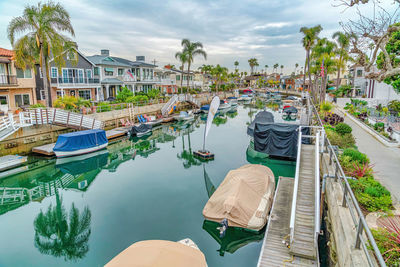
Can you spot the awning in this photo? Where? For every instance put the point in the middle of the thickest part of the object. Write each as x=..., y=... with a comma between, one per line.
x=5, y=60
x=109, y=69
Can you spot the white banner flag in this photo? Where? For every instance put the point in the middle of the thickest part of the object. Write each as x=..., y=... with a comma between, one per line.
x=214, y=105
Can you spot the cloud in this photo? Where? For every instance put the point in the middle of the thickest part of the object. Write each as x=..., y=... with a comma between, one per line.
x=272, y=25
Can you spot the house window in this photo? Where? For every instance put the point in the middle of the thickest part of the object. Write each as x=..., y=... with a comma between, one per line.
x=89, y=74
x=59, y=93
x=85, y=94
x=109, y=71
x=359, y=73
x=120, y=72
x=3, y=100
x=71, y=56
x=54, y=72
x=178, y=77
x=22, y=100
x=27, y=74
x=42, y=95
x=96, y=71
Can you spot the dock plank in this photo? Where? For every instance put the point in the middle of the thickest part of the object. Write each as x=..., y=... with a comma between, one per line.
x=274, y=252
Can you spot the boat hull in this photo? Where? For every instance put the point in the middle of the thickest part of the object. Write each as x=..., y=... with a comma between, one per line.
x=63, y=154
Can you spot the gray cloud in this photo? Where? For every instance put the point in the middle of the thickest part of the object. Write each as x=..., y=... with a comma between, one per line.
x=229, y=30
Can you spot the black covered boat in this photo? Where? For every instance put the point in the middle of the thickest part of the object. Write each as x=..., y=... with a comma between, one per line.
x=140, y=130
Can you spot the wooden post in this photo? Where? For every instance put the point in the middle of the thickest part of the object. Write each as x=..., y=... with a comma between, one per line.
x=54, y=116
x=93, y=123
x=68, y=118
x=36, y=116
x=41, y=115
x=80, y=126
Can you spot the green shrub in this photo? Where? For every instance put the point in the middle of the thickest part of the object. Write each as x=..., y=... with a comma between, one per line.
x=379, y=126
x=346, y=162
x=371, y=194
x=137, y=99
x=124, y=94
x=343, y=128
x=389, y=248
x=38, y=105
x=342, y=141
x=356, y=155
x=326, y=107
x=103, y=107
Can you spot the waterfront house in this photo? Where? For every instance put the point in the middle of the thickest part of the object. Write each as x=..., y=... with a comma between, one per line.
x=167, y=79
x=116, y=72
x=17, y=86
x=77, y=78
x=288, y=82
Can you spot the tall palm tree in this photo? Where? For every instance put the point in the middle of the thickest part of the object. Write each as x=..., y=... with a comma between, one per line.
x=183, y=58
x=192, y=50
x=60, y=236
x=41, y=28
x=219, y=74
x=295, y=67
x=343, y=42
x=276, y=65
x=266, y=69
x=252, y=63
x=236, y=64
x=309, y=39
x=281, y=69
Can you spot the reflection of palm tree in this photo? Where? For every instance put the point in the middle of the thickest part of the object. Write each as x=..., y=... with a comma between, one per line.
x=59, y=236
x=218, y=120
x=186, y=155
x=209, y=185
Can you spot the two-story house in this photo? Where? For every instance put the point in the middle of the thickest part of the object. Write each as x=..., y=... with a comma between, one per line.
x=167, y=80
x=115, y=72
x=17, y=86
x=76, y=78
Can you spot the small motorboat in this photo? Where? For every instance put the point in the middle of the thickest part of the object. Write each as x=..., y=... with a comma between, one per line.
x=289, y=113
x=185, y=116
x=150, y=120
x=243, y=199
x=79, y=143
x=160, y=253
x=140, y=130
x=223, y=105
x=233, y=101
x=245, y=98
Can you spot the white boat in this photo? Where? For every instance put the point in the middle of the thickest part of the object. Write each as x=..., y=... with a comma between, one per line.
x=185, y=116
x=245, y=98
x=11, y=161
x=78, y=143
x=224, y=105
x=154, y=121
x=142, y=129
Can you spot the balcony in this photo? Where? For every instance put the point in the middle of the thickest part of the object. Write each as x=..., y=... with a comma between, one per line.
x=7, y=80
x=74, y=81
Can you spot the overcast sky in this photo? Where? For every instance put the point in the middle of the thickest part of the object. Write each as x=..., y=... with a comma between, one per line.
x=229, y=30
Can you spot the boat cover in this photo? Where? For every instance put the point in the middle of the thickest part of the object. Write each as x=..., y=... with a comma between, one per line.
x=141, y=128
x=205, y=107
x=291, y=97
x=80, y=140
x=278, y=139
x=290, y=110
x=244, y=197
x=232, y=97
x=159, y=253
x=261, y=117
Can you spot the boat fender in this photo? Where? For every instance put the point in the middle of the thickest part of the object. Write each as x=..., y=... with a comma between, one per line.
x=223, y=227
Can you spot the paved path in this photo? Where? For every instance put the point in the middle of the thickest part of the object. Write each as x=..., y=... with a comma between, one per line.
x=386, y=159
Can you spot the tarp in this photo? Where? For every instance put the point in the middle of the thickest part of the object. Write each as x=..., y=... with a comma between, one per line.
x=261, y=117
x=291, y=97
x=244, y=198
x=159, y=253
x=290, y=110
x=80, y=140
x=205, y=107
x=277, y=139
x=82, y=164
x=141, y=128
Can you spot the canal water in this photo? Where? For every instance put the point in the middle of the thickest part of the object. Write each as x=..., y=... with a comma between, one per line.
x=85, y=212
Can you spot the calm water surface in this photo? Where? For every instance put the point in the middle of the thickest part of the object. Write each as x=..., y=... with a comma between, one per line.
x=83, y=213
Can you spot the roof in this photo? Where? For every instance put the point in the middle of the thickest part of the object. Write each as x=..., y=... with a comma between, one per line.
x=111, y=81
x=6, y=53
x=134, y=63
x=109, y=61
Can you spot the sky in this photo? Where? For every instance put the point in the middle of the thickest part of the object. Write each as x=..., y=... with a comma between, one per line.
x=229, y=30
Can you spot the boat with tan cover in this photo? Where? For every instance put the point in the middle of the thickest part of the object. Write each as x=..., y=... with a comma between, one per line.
x=244, y=198
x=160, y=253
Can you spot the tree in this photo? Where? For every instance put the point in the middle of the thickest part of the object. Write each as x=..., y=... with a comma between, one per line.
x=236, y=64
x=343, y=43
x=309, y=39
x=295, y=67
x=252, y=63
x=276, y=67
x=219, y=74
x=281, y=69
x=192, y=50
x=43, y=26
x=183, y=58
x=60, y=236
x=266, y=69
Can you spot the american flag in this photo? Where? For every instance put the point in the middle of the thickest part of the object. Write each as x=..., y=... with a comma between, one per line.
x=130, y=73
x=322, y=69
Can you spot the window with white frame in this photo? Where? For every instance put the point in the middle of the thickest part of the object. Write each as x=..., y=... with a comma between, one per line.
x=54, y=72
x=3, y=100
x=60, y=93
x=85, y=94
x=89, y=74
x=42, y=95
x=24, y=74
x=120, y=72
x=22, y=100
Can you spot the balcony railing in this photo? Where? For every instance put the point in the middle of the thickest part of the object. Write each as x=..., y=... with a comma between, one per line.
x=74, y=80
x=8, y=80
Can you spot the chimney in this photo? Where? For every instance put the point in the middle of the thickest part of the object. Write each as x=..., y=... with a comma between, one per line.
x=105, y=52
x=140, y=58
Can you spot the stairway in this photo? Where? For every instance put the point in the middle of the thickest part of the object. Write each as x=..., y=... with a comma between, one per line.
x=8, y=126
x=304, y=242
x=166, y=109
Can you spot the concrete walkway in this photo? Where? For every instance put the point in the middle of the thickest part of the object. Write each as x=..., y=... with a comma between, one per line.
x=386, y=160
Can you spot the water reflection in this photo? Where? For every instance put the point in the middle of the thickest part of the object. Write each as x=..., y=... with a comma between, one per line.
x=60, y=234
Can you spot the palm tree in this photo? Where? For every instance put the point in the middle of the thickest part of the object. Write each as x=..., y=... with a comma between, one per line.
x=182, y=57
x=43, y=26
x=236, y=64
x=276, y=67
x=219, y=74
x=295, y=67
x=281, y=69
x=266, y=69
x=252, y=63
x=192, y=50
x=343, y=42
x=310, y=36
x=60, y=236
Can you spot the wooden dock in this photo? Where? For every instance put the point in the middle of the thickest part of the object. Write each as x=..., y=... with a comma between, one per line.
x=303, y=243
x=274, y=252
x=47, y=150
